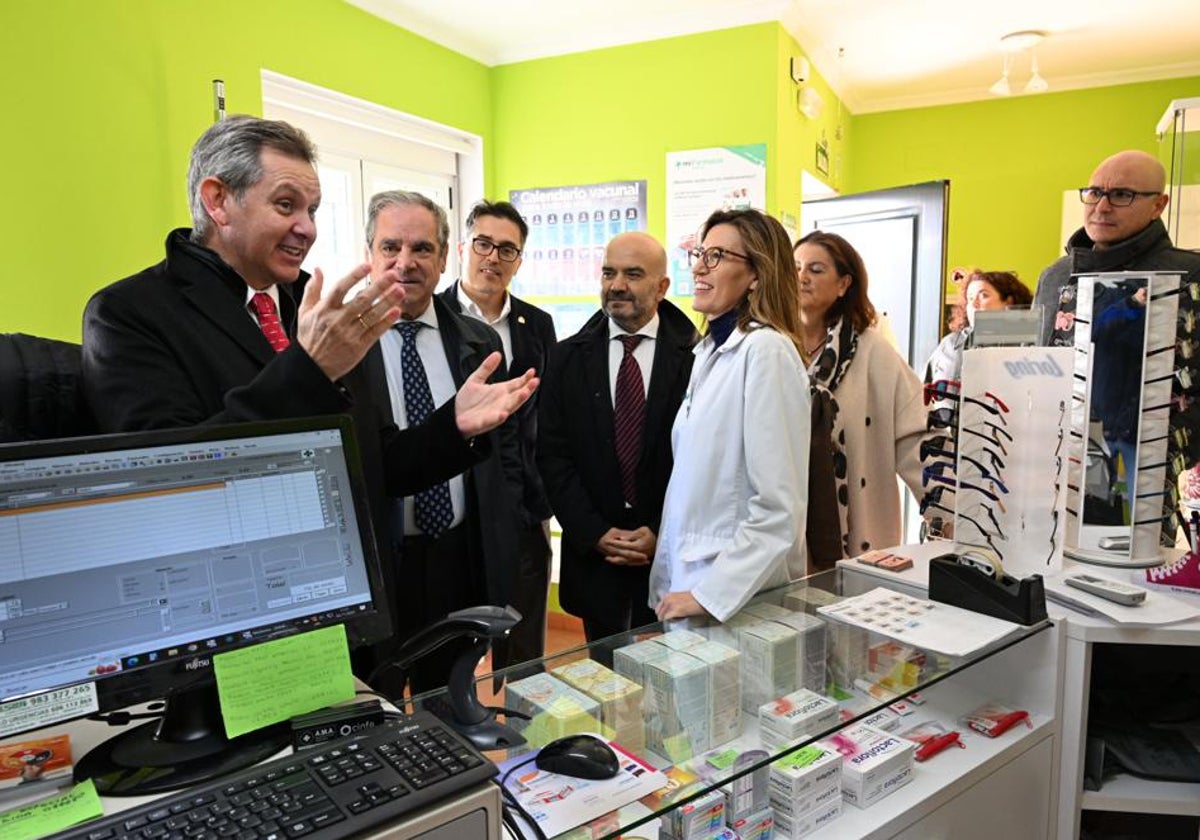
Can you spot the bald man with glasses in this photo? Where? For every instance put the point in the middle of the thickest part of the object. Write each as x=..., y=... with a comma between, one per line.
x=1123, y=231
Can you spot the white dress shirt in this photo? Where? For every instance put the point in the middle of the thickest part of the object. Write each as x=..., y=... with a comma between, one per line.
x=441, y=386
x=643, y=354
x=500, y=325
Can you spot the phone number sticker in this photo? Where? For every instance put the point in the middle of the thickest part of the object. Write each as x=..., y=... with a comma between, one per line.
x=47, y=708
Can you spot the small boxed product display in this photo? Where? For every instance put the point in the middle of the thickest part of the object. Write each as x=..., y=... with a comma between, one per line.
x=810, y=649
x=699, y=819
x=724, y=691
x=678, y=707
x=630, y=661
x=885, y=719
x=680, y=782
x=757, y=826
x=931, y=738
x=680, y=640
x=788, y=827
x=554, y=708
x=748, y=793
x=795, y=716
x=894, y=666
x=768, y=663
x=874, y=763
x=802, y=779
x=805, y=598
x=620, y=699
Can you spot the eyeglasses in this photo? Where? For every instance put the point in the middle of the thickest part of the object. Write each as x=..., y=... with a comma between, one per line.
x=711, y=257
x=927, y=476
x=506, y=252
x=1118, y=197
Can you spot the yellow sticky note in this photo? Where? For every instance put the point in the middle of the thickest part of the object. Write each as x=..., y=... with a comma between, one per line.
x=52, y=815
x=268, y=683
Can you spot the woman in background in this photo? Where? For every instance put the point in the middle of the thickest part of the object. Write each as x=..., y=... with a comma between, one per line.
x=982, y=290
x=734, y=514
x=870, y=399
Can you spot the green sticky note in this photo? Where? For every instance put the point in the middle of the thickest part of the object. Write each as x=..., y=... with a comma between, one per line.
x=723, y=760
x=52, y=815
x=268, y=683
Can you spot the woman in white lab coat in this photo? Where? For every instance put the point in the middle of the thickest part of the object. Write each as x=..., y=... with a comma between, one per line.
x=734, y=514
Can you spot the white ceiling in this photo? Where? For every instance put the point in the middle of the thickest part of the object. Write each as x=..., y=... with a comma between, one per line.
x=877, y=55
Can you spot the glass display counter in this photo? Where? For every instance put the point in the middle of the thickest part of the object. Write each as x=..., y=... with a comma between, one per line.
x=742, y=717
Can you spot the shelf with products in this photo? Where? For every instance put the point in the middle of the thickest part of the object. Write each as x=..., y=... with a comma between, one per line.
x=667, y=693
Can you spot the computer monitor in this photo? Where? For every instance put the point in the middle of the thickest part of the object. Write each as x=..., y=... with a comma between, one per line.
x=128, y=561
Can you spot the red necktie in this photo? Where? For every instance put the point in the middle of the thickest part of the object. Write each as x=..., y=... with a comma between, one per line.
x=629, y=414
x=268, y=321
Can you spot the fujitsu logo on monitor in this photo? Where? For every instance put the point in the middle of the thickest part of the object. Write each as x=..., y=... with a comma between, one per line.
x=197, y=663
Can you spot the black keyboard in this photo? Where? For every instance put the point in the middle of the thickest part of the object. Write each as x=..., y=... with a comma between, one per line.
x=338, y=790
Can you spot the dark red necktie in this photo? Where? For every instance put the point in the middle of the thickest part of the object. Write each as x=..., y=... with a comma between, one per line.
x=268, y=321
x=629, y=414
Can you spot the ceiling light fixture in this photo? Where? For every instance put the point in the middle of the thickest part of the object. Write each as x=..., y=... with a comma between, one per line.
x=1012, y=44
x=1001, y=87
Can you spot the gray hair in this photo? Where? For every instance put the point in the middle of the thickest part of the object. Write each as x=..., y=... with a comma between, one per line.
x=231, y=150
x=404, y=198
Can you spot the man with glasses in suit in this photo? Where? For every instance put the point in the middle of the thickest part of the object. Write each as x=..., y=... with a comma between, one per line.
x=490, y=257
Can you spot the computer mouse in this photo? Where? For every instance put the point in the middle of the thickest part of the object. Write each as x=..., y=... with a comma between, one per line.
x=581, y=756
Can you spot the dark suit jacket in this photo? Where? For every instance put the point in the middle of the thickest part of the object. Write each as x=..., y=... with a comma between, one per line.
x=174, y=345
x=493, y=485
x=532, y=333
x=578, y=461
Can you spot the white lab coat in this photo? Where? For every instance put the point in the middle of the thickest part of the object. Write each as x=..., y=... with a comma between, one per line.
x=734, y=514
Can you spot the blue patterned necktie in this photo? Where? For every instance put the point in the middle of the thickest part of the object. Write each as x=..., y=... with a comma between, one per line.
x=431, y=507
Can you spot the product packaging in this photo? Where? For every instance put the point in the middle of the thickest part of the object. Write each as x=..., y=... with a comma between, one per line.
x=699, y=819
x=757, y=826
x=555, y=709
x=620, y=699
x=630, y=661
x=788, y=827
x=810, y=647
x=680, y=640
x=803, y=779
x=874, y=763
x=677, y=726
x=745, y=794
x=992, y=719
x=794, y=717
x=724, y=690
x=768, y=663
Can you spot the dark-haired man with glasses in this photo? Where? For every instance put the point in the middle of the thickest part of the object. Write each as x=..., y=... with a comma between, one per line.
x=490, y=257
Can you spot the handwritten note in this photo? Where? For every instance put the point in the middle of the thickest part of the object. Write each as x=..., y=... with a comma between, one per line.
x=268, y=683
x=52, y=815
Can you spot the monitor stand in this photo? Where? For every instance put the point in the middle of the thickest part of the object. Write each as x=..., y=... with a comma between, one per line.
x=184, y=747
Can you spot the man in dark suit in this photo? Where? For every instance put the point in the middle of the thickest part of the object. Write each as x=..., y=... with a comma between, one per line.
x=607, y=495
x=180, y=344
x=457, y=541
x=491, y=256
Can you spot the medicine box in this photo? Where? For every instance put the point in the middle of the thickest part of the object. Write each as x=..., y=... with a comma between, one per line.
x=768, y=663
x=680, y=640
x=795, y=716
x=699, y=819
x=677, y=707
x=745, y=794
x=874, y=763
x=803, y=772
x=792, y=828
x=554, y=708
x=724, y=690
x=630, y=661
x=757, y=826
x=810, y=649
x=620, y=699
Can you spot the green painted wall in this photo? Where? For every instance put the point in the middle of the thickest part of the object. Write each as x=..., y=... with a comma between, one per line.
x=614, y=114
x=106, y=97
x=1008, y=162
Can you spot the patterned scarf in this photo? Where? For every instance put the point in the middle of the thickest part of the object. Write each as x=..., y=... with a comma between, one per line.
x=828, y=493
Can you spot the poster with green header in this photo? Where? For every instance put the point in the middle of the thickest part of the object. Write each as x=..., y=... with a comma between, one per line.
x=701, y=181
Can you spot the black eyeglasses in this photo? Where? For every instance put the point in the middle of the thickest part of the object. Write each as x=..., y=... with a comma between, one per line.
x=1119, y=197
x=506, y=252
x=942, y=467
x=711, y=257
x=927, y=477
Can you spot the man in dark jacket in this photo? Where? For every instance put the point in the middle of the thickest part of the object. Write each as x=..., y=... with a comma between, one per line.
x=191, y=340
x=490, y=258
x=607, y=491
x=456, y=541
x=1123, y=231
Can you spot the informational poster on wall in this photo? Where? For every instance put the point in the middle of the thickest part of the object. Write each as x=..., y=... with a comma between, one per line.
x=568, y=229
x=701, y=181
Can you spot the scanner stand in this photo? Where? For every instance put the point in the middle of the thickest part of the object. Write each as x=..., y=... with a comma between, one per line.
x=460, y=706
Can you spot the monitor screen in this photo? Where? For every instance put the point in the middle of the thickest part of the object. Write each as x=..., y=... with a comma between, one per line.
x=130, y=560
